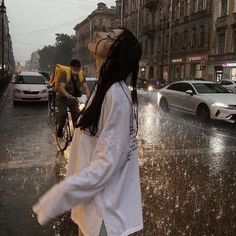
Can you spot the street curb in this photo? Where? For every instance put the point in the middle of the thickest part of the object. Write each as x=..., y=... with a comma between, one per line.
x=4, y=97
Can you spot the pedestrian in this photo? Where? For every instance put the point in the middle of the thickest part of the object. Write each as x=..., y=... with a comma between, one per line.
x=71, y=79
x=103, y=185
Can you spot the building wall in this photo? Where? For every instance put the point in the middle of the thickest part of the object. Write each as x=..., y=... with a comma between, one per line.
x=101, y=19
x=9, y=63
x=223, y=51
x=164, y=52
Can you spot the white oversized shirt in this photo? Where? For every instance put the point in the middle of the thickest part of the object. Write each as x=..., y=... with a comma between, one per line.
x=102, y=182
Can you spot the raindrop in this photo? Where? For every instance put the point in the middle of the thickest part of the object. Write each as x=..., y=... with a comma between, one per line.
x=219, y=214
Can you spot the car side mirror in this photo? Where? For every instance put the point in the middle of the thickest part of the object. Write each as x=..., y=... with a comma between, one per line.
x=190, y=92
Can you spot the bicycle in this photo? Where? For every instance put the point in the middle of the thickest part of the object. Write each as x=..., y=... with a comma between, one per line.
x=68, y=130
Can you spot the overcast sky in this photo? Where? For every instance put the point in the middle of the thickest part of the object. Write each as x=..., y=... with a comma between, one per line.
x=33, y=23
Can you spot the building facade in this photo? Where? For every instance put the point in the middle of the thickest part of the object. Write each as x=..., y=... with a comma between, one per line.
x=101, y=19
x=174, y=35
x=222, y=60
x=6, y=45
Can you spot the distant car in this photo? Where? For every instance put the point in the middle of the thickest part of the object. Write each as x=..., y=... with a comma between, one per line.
x=30, y=87
x=205, y=99
x=153, y=84
x=161, y=83
x=229, y=84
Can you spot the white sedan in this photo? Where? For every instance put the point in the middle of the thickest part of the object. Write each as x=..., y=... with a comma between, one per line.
x=229, y=84
x=205, y=99
x=31, y=87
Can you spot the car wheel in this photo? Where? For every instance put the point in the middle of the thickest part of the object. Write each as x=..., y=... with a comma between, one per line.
x=203, y=113
x=164, y=105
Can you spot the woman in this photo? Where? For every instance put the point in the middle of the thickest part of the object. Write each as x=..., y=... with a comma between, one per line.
x=102, y=185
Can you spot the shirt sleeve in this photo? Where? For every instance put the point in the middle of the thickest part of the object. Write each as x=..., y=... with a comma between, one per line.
x=110, y=155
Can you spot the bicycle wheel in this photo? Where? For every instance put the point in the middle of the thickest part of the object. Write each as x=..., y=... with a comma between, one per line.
x=63, y=142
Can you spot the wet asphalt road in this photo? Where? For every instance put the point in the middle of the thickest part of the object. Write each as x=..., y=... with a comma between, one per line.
x=188, y=172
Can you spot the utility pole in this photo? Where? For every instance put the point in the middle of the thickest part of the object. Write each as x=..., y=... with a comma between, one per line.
x=3, y=11
x=163, y=23
x=169, y=43
x=122, y=12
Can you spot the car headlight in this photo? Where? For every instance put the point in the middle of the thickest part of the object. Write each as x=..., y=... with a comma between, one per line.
x=150, y=88
x=219, y=104
x=17, y=91
x=44, y=91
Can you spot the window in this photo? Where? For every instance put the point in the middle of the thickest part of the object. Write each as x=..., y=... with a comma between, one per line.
x=178, y=9
x=195, y=6
x=176, y=41
x=176, y=87
x=204, y=5
x=186, y=38
x=187, y=8
x=202, y=37
x=221, y=43
x=194, y=38
x=224, y=4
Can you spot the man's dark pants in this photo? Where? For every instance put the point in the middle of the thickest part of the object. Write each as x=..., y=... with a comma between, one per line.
x=62, y=104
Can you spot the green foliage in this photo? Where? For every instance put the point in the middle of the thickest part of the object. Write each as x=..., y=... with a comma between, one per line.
x=47, y=58
x=60, y=53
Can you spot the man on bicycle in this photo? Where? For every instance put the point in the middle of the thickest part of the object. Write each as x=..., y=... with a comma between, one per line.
x=68, y=89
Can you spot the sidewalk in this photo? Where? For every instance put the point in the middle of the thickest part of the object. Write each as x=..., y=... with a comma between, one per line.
x=4, y=97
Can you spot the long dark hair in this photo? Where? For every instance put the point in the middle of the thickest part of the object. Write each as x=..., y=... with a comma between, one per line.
x=122, y=61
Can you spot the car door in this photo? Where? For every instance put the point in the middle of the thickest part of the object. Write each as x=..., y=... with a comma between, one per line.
x=175, y=96
x=189, y=101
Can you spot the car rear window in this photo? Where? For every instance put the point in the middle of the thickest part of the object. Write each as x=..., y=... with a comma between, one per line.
x=30, y=79
x=209, y=88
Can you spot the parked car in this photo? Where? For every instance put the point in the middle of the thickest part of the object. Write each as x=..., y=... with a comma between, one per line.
x=229, y=84
x=30, y=87
x=205, y=99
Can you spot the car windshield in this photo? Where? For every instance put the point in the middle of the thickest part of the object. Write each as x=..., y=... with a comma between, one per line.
x=209, y=88
x=30, y=79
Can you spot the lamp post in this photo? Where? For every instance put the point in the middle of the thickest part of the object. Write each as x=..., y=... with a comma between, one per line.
x=163, y=25
x=3, y=11
x=169, y=42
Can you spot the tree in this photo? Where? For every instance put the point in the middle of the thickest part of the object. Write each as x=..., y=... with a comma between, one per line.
x=60, y=53
x=64, y=48
x=47, y=58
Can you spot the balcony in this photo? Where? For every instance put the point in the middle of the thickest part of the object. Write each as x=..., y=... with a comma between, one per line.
x=221, y=22
x=150, y=4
